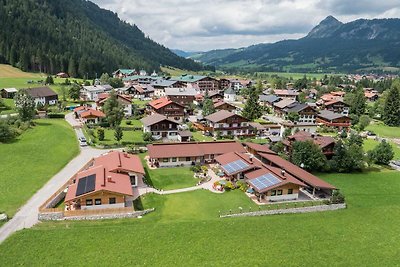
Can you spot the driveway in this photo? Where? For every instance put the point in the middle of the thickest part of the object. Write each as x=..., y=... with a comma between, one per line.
x=27, y=216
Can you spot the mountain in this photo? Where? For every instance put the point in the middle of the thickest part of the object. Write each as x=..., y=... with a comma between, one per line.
x=77, y=37
x=332, y=46
x=184, y=54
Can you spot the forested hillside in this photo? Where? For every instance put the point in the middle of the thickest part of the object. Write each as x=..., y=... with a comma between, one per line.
x=77, y=37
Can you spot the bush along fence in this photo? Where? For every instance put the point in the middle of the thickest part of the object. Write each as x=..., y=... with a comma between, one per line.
x=300, y=207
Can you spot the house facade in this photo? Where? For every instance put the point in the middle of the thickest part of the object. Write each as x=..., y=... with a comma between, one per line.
x=43, y=95
x=335, y=120
x=160, y=127
x=90, y=93
x=108, y=182
x=168, y=108
x=225, y=123
x=124, y=100
x=182, y=96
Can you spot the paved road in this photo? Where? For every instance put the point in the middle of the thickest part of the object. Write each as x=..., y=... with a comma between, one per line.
x=27, y=216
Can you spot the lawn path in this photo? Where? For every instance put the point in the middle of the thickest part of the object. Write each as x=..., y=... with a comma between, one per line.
x=27, y=216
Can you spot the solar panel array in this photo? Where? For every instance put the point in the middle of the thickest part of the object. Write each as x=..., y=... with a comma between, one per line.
x=235, y=166
x=86, y=184
x=265, y=181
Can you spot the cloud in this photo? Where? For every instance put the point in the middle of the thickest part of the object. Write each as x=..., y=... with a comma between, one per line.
x=197, y=25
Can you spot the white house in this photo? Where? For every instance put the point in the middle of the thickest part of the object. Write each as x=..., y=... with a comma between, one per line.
x=229, y=95
x=91, y=93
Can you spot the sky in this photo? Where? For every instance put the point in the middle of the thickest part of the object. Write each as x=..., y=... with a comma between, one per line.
x=202, y=25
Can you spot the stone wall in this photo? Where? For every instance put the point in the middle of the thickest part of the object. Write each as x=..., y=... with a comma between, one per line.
x=286, y=211
x=59, y=216
x=52, y=203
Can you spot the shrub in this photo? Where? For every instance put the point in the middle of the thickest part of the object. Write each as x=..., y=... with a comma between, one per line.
x=242, y=186
x=147, y=137
x=229, y=186
x=100, y=134
x=196, y=168
x=128, y=122
x=56, y=116
x=337, y=197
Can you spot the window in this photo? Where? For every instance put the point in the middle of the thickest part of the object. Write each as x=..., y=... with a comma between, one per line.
x=112, y=200
x=165, y=160
x=89, y=202
x=188, y=159
x=273, y=193
x=290, y=191
x=280, y=192
x=174, y=159
x=97, y=201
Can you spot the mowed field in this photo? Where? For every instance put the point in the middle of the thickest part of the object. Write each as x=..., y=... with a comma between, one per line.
x=7, y=71
x=185, y=230
x=31, y=160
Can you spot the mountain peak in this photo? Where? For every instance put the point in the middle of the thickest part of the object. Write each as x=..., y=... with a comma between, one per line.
x=325, y=28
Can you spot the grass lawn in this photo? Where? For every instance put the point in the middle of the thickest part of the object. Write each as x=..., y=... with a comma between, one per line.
x=140, y=103
x=185, y=230
x=198, y=136
x=171, y=178
x=9, y=106
x=134, y=123
x=29, y=162
x=384, y=131
x=129, y=136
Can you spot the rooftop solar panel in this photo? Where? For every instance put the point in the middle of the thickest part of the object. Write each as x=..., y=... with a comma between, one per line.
x=265, y=181
x=235, y=166
x=86, y=185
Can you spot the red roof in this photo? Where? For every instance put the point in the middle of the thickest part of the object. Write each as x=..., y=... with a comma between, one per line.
x=193, y=149
x=92, y=113
x=321, y=141
x=296, y=171
x=161, y=102
x=111, y=174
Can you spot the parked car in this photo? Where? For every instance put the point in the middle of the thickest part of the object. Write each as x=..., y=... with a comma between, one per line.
x=82, y=141
x=369, y=133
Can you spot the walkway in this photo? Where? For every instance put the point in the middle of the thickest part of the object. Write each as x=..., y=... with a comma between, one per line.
x=27, y=216
x=207, y=186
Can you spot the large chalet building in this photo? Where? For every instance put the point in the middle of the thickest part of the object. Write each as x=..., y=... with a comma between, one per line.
x=332, y=119
x=325, y=143
x=225, y=123
x=200, y=83
x=160, y=127
x=168, y=108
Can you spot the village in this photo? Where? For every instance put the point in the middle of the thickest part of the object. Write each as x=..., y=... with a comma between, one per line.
x=199, y=123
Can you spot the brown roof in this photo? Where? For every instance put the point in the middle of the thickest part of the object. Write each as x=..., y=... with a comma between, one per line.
x=92, y=113
x=321, y=141
x=193, y=149
x=220, y=115
x=296, y=171
x=41, y=92
x=155, y=118
x=259, y=148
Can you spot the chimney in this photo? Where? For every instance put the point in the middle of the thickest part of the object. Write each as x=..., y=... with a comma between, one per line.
x=283, y=172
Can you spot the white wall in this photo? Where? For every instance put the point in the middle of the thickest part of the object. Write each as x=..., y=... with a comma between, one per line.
x=283, y=197
x=105, y=206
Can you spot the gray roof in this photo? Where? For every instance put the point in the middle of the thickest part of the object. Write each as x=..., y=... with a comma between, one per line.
x=230, y=91
x=10, y=90
x=155, y=118
x=41, y=92
x=219, y=116
x=284, y=103
x=163, y=83
x=330, y=115
x=185, y=133
x=181, y=91
x=103, y=88
x=297, y=108
x=269, y=98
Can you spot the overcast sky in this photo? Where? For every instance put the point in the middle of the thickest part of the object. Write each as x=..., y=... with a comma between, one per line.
x=201, y=25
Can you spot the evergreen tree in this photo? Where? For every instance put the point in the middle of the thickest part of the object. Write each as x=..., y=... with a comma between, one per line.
x=72, y=68
x=114, y=110
x=358, y=103
x=116, y=82
x=118, y=134
x=208, y=105
x=391, y=110
x=308, y=156
x=252, y=110
x=25, y=105
x=105, y=78
x=100, y=134
x=363, y=122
